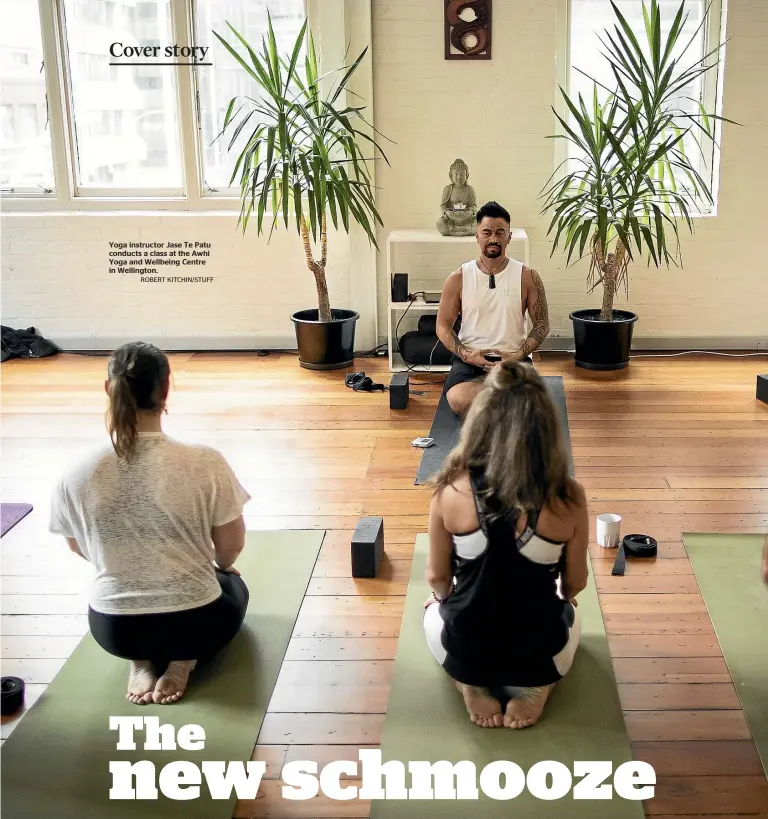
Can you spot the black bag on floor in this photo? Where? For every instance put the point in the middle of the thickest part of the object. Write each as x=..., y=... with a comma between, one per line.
x=25, y=344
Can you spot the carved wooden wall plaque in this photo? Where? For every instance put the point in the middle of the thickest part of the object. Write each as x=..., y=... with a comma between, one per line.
x=467, y=39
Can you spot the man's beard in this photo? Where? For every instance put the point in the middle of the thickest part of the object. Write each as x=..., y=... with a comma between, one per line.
x=492, y=251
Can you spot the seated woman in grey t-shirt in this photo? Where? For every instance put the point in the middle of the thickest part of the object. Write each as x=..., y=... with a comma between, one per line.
x=152, y=515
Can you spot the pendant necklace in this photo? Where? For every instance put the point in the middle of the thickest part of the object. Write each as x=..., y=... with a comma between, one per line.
x=491, y=274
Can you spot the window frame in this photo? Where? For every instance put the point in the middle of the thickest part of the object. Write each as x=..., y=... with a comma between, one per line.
x=324, y=17
x=712, y=93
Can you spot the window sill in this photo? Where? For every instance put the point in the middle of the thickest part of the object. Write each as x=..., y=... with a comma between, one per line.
x=51, y=204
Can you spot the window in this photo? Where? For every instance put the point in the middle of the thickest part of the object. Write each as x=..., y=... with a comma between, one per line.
x=222, y=81
x=6, y=123
x=148, y=82
x=26, y=121
x=112, y=93
x=129, y=129
x=26, y=163
x=95, y=67
x=590, y=18
x=147, y=11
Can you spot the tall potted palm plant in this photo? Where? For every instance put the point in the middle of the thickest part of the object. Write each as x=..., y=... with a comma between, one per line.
x=634, y=176
x=301, y=160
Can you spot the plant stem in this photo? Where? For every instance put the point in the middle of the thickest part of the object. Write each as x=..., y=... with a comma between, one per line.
x=609, y=287
x=318, y=271
x=324, y=242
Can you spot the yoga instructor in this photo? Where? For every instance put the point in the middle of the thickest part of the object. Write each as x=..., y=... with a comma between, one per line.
x=152, y=514
x=508, y=536
x=492, y=294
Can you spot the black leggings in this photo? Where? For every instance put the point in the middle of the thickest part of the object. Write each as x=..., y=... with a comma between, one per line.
x=191, y=634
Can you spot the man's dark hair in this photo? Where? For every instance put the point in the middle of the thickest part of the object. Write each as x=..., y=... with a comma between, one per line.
x=493, y=210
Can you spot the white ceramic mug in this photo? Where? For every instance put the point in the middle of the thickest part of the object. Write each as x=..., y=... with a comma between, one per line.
x=609, y=531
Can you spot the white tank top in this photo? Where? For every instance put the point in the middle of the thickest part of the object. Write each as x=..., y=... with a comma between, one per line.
x=492, y=318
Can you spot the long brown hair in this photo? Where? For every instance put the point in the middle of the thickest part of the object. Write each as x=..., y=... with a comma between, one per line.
x=138, y=377
x=512, y=433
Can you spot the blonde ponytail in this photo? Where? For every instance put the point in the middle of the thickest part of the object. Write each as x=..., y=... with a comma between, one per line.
x=512, y=433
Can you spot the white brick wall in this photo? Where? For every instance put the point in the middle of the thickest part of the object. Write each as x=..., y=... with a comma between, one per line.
x=55, y=277
x=496, y=115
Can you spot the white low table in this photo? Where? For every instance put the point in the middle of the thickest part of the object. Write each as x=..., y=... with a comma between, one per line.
x=432, y=236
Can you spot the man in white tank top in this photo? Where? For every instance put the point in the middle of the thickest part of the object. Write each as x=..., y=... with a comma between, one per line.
x=492, y=295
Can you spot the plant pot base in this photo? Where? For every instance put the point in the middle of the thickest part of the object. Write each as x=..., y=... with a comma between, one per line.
x=339, y=366
x=588, y=366
x=325, y=345
x=602, y=345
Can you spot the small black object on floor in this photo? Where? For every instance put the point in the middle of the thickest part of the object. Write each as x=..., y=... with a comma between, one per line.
x=25, y=344
x=762, y=388
x=398, y=391
x=360, y=382
x=634, y=546
x=367, y=547
x=11, y=695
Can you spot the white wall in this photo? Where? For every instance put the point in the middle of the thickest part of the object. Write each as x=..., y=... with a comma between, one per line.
x=55, y=271
x=497, y=114
x=55, y=264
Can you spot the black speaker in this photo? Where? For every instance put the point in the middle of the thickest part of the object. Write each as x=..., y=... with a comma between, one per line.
x=398, y=391
x=762, y=388
x=400, y=287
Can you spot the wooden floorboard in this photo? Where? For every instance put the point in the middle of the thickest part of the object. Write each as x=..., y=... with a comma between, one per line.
x=673, y=445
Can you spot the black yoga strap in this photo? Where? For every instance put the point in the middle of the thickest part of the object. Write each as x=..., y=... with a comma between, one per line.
x=634, y=546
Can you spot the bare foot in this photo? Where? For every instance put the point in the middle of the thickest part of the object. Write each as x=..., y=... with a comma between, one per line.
x=170, y=687
x=525, y=710
x=141, y=682
x=484, y=709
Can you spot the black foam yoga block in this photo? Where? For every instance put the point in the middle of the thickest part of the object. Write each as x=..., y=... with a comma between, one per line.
x=762, y=388
x=398, y=391
x=367, y=547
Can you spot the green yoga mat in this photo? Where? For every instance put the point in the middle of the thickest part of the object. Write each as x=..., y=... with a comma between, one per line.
x=56, y=762
x=727, y=569
x=426, y=720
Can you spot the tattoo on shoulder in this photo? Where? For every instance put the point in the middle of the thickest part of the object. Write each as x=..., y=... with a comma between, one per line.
x=539, y=310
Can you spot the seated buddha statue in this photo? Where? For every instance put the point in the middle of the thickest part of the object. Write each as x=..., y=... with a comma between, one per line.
x=459, y=204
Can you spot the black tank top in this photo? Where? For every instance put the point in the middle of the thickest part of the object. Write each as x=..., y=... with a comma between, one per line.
x=504, y=621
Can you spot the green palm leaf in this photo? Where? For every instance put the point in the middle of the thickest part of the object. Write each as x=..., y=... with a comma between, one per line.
x=302, y=158
x=632, y=183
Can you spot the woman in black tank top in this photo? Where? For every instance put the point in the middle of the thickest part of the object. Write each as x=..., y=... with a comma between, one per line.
x=508, y=553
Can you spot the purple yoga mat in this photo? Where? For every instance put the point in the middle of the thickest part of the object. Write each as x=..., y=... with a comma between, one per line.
x=11, y=514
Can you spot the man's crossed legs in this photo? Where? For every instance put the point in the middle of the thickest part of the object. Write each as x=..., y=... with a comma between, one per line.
x=463, y=384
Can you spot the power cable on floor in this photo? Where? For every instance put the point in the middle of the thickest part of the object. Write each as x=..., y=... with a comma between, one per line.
x=673, y=355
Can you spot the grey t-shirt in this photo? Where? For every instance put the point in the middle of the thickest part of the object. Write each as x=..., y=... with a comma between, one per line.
x=145, y=524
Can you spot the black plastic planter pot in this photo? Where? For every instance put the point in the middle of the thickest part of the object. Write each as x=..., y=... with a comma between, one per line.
x=325, y=345
x=602, y=345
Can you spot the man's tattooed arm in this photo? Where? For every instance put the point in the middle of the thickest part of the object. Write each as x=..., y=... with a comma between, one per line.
x=448, y=311
x=539, y=314
x=451, y=342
